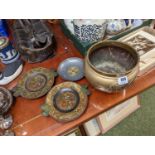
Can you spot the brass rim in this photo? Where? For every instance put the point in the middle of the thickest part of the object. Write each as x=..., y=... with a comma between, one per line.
x=114, y=43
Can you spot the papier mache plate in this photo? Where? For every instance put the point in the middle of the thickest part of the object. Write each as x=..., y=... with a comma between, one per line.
x=6, y=100
x=35, y=83
x=65, y=102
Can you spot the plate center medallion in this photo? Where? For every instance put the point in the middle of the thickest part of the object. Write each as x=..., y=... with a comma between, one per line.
x=36, y=82
x=72, y=71
x=66, y=100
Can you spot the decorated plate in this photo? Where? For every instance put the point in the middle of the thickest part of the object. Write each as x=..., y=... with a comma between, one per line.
x=65, y=102
x=6, y=100
x=35, y=83
x=71, y=69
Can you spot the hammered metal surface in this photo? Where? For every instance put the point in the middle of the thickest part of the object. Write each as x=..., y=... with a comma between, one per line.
x=76, y=110
x=35, y=83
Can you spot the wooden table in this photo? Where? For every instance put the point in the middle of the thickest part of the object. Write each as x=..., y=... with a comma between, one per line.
x=27, y=113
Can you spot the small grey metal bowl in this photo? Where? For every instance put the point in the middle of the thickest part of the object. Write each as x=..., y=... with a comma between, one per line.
x=71, y=69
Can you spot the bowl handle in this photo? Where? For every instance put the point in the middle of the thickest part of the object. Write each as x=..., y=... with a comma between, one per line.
x=45, y=109
x=54, y=72
x=85, y=89
x=16, y=91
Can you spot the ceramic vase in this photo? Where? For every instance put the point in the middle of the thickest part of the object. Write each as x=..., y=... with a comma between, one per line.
x=137, y=22
x=115, y=26
x=69, y=24
x=89, y=30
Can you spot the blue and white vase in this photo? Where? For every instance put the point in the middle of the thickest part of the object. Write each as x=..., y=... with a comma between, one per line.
x=69, y=24
x=7, y=53
x=137, y=22
x=89, y=30
x=116, y=26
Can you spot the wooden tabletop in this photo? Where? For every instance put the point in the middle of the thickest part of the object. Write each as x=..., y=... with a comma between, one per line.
x=27, y=113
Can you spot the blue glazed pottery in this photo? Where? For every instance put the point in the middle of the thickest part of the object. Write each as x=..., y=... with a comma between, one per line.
x=7, y=53
x=3, y=28
x=11, y=72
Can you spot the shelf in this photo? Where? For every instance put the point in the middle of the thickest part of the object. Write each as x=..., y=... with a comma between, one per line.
x=27, y=113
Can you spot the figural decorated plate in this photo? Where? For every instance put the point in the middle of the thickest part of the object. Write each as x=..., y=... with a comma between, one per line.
x=35, y=83
x=6, y=100
x=65, y=102
x=71, y=69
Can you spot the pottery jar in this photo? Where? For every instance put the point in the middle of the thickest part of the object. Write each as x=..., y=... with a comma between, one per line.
x=137, y=22
x=115, y=26
x=89, y=30
x=69, y=24
x=111, y=81
x=7, y=53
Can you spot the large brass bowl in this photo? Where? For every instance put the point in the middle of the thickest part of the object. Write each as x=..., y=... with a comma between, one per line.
x=110, y=66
